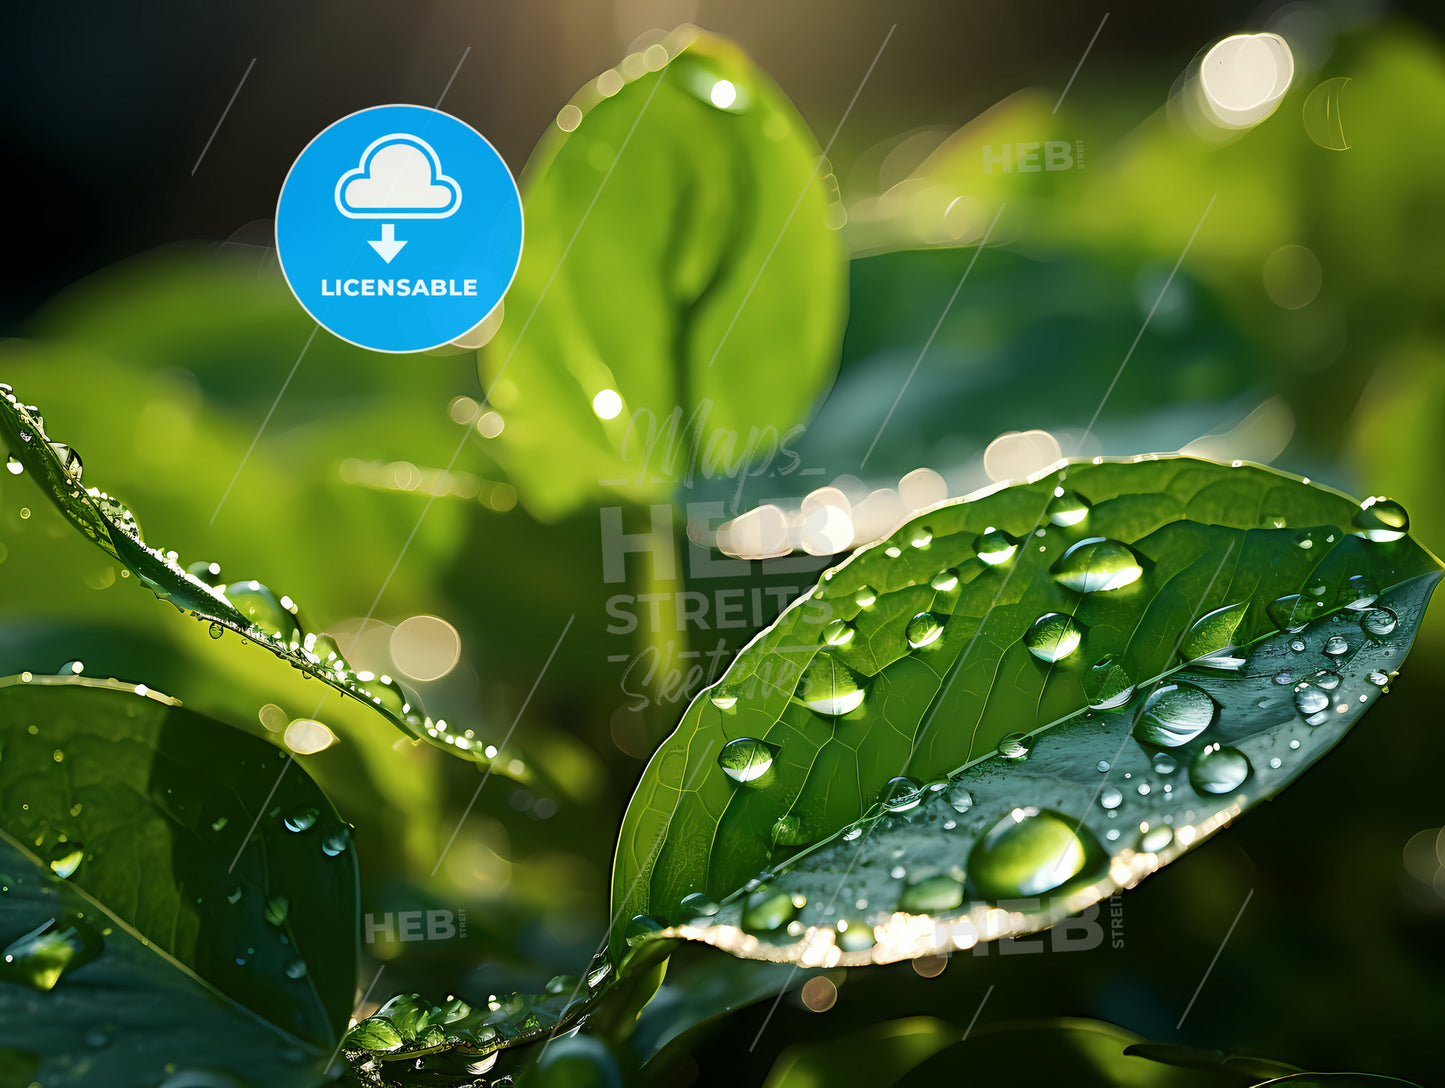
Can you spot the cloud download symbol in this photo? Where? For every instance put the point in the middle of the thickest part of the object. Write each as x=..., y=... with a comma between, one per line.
x=400, y=177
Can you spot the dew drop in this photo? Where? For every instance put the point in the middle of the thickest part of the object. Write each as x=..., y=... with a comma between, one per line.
x=69, y=459
x=1053, y=636
x=1218, y=770
x=1155, y=839
x=1211, y=638
x=921, y=537
x=1294, y=612
x=1378, y=622
x=994, y=546
x=829, y=687
x=746, y=759
x=216, y=630
x=1107, y=685
x=1284, y=678
x=384, y=692
x=277, y=909
x=1336, y=646
x=1378, y=678
x=900, y=794
x=1382, y=520
x=933, y=893
x=945, y=581
x=1311, y=702
x=1298, y=646
x=1067, y=509
x=866, y=597
x=65, y=858
x=698, y=905
x=299, y=819
x=768, y=909
x=1097, y=565
x=1358, y=593
x=39, y=959
x=205, y=571
x=1164, y=763
x=1014, y=747
x=264, y=609
x=296, y=969
x=337, y=841
x=959, y=797
x=1175, y=714
x=838, y=633
x=854, y=935
x=924, y=629
x=1111, y=797
x=1028, y=852
x=13, y=466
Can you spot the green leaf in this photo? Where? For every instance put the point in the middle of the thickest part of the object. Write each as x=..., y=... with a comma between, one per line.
x=123, y=1014
x=909, y=760
x=248, y=608
x=678, y=253
x=144, y=806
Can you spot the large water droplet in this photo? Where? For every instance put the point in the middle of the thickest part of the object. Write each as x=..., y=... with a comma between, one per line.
x=65, y=858
x=1382, y=520
x=1294, y=612
x=932, y=893
x=205, y=571
x=40, y=958
x=1107, y=685
x=746, y=759
x=1111, y=797
x=838, y=633
x=296, y=969
x=1358, y=592
x=1028, y=852
x=1175, y=714
x=945, y=581
x=1053, y=636
x=337, y=841
x=866, y=597
x=994, y=546
x=959, y=797
x=69, y=459
x=1066, y=508
x=924, y=629
x=1097, y=565
x=1311, y=702
x=1218, y=770
x=262, y=607
x=13, y=466
x=920, y=536
x=830, y=687
x=1378, y=622
x=788, y=831
x=1211, y=638
x=299, y=819
x=1014, y=747
x=900, y=794
x=698, y=905
x=768, y=909
x=1154, y=839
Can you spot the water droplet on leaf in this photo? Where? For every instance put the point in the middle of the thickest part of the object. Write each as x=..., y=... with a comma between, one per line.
x=1218, y=770
x=1053, y=636
x=1029, y=852
x=830, y=687
x=746, y=759
x=1175, y=714
x=1097, y=565
x=924, y=629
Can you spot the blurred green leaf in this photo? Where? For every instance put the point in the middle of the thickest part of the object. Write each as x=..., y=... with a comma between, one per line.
x=993, y=651
x=877, y=1055
x=119, y=790
x=696, y=187
x=248, y=608
x=129, y=1016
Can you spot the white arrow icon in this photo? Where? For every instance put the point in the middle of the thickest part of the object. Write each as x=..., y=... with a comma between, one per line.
x=387, y=246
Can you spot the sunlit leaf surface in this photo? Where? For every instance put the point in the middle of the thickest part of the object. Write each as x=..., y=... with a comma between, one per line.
x=1015, y=705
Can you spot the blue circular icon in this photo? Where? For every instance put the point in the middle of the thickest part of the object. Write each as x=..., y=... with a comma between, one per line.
x=399, y=228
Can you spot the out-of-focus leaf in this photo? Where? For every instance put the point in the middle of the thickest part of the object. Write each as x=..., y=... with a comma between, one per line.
x=144, y=806
x=978, y=725
x=248, y=608
x=876, y=1056
x=121, y=1013
x=701, y=283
